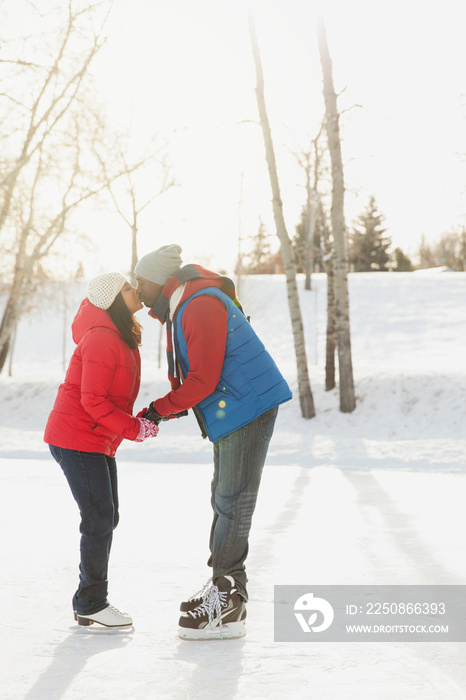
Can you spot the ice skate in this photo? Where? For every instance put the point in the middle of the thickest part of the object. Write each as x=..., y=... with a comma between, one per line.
x=220, y=616
x=108, y=617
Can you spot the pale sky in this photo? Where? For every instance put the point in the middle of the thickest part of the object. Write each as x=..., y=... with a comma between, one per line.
x=188, y=66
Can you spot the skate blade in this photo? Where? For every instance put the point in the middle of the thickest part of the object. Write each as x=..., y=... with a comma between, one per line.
x=232, y=630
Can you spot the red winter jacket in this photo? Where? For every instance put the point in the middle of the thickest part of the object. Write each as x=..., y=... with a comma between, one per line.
x=93, y=408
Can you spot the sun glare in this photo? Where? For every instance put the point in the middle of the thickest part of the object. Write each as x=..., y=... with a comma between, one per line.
x=187, y=70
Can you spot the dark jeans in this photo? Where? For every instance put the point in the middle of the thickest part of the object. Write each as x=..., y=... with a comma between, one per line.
x=92, y=478
x=238, y=462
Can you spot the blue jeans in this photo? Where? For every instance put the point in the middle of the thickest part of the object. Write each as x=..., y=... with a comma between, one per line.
x=238, y=462
x=92, y=478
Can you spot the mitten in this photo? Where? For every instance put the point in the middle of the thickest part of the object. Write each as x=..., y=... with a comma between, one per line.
x=141, y=413
x=147, y=429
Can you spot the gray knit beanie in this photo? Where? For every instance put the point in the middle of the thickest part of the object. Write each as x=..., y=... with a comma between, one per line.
x=160, y=265
x=103, y=289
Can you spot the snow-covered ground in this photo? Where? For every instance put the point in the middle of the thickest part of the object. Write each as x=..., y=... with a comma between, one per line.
x=373, y=497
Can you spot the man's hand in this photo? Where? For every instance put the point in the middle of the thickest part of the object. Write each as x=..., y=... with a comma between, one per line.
x=151, y=414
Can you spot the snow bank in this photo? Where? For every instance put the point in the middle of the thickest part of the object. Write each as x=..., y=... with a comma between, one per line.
x=408, y=343
x=376, y=496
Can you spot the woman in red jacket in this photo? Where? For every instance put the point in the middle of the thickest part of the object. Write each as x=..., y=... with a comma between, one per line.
x=91, y=416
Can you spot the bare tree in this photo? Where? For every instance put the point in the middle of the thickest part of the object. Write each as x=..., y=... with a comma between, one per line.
x=142, y=182
x=54, y=96
x=307, y=229
x=347, y=398
x=310, y=162
x=44, y=174
x=304, y=386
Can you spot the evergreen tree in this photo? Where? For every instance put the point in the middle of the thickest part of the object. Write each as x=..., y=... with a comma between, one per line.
x=261, y=252
x=300, y=239
x=402, y=262
x=368, y=243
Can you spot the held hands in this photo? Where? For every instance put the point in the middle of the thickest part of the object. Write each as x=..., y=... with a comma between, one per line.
x=152, y=415
x=147, y=429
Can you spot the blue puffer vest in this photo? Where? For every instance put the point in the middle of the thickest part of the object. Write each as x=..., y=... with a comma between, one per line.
x=251, y=382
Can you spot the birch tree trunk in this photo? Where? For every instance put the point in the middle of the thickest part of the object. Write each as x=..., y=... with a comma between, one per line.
x=17, y=295
x=331, y=332
x=304, y=386
x=308, y=255
x=347, y=399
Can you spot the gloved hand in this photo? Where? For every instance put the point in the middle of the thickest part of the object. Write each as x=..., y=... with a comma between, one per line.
x=151, y=414
x=147, y=429
x=141, y=413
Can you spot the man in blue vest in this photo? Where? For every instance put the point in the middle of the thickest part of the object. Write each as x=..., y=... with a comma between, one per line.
x=219, y=368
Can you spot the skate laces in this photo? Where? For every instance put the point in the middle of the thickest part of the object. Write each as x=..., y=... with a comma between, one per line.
x=203, y=592
x=212, y=605
x=114, y=610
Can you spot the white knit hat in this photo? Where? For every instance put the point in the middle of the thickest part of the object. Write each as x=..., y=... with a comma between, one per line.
x=160, y=265
x=103, y=289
